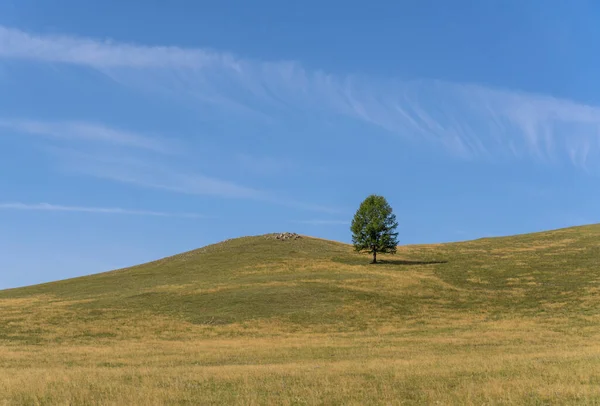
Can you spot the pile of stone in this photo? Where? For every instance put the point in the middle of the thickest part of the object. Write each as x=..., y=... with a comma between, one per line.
x=287, y=236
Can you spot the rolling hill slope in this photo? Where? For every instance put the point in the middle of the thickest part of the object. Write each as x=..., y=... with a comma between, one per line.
x=498, y=320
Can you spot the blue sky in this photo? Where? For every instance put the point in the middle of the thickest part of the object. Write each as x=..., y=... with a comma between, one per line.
x=133, y=130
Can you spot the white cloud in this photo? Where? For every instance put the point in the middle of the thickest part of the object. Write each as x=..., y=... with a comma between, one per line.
x=131, y=170
x=174, y=181
x=100, y=54
x=98, y=210
x=191, y=183
x=468, y=120
x=83, y=131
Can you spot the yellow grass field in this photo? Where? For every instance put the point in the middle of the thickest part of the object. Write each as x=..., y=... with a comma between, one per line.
x=257, y=321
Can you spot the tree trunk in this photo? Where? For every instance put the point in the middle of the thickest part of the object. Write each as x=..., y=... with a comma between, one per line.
x=374, y=257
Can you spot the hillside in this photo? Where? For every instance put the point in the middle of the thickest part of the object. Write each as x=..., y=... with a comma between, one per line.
x=256, y=320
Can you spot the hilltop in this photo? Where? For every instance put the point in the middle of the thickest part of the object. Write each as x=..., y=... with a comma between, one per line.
x=456, y=323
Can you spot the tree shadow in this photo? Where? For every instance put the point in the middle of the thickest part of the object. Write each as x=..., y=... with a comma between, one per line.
x=395, y=262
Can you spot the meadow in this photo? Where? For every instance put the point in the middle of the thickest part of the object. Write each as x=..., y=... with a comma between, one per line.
x=258, y=321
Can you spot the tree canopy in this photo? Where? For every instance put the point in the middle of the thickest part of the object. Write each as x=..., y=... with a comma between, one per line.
x=374, y=227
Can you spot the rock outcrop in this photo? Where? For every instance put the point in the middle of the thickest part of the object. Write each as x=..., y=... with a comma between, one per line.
x=285, y=236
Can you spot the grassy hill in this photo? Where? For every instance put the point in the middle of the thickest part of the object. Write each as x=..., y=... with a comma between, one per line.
x=256, y=320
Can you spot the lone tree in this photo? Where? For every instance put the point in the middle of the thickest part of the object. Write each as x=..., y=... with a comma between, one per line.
x=374, y=227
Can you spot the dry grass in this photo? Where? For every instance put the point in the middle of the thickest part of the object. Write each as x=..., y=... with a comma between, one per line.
x=256, y=321
x=494, y=364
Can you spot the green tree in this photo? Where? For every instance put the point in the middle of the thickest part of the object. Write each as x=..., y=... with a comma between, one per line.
x=374, y=227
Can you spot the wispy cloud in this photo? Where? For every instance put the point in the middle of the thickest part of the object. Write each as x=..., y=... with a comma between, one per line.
x=84, y=131
x=468, y=120
x=98, y=210
x=129, y=169
x=100, y=54
x=140, y=172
